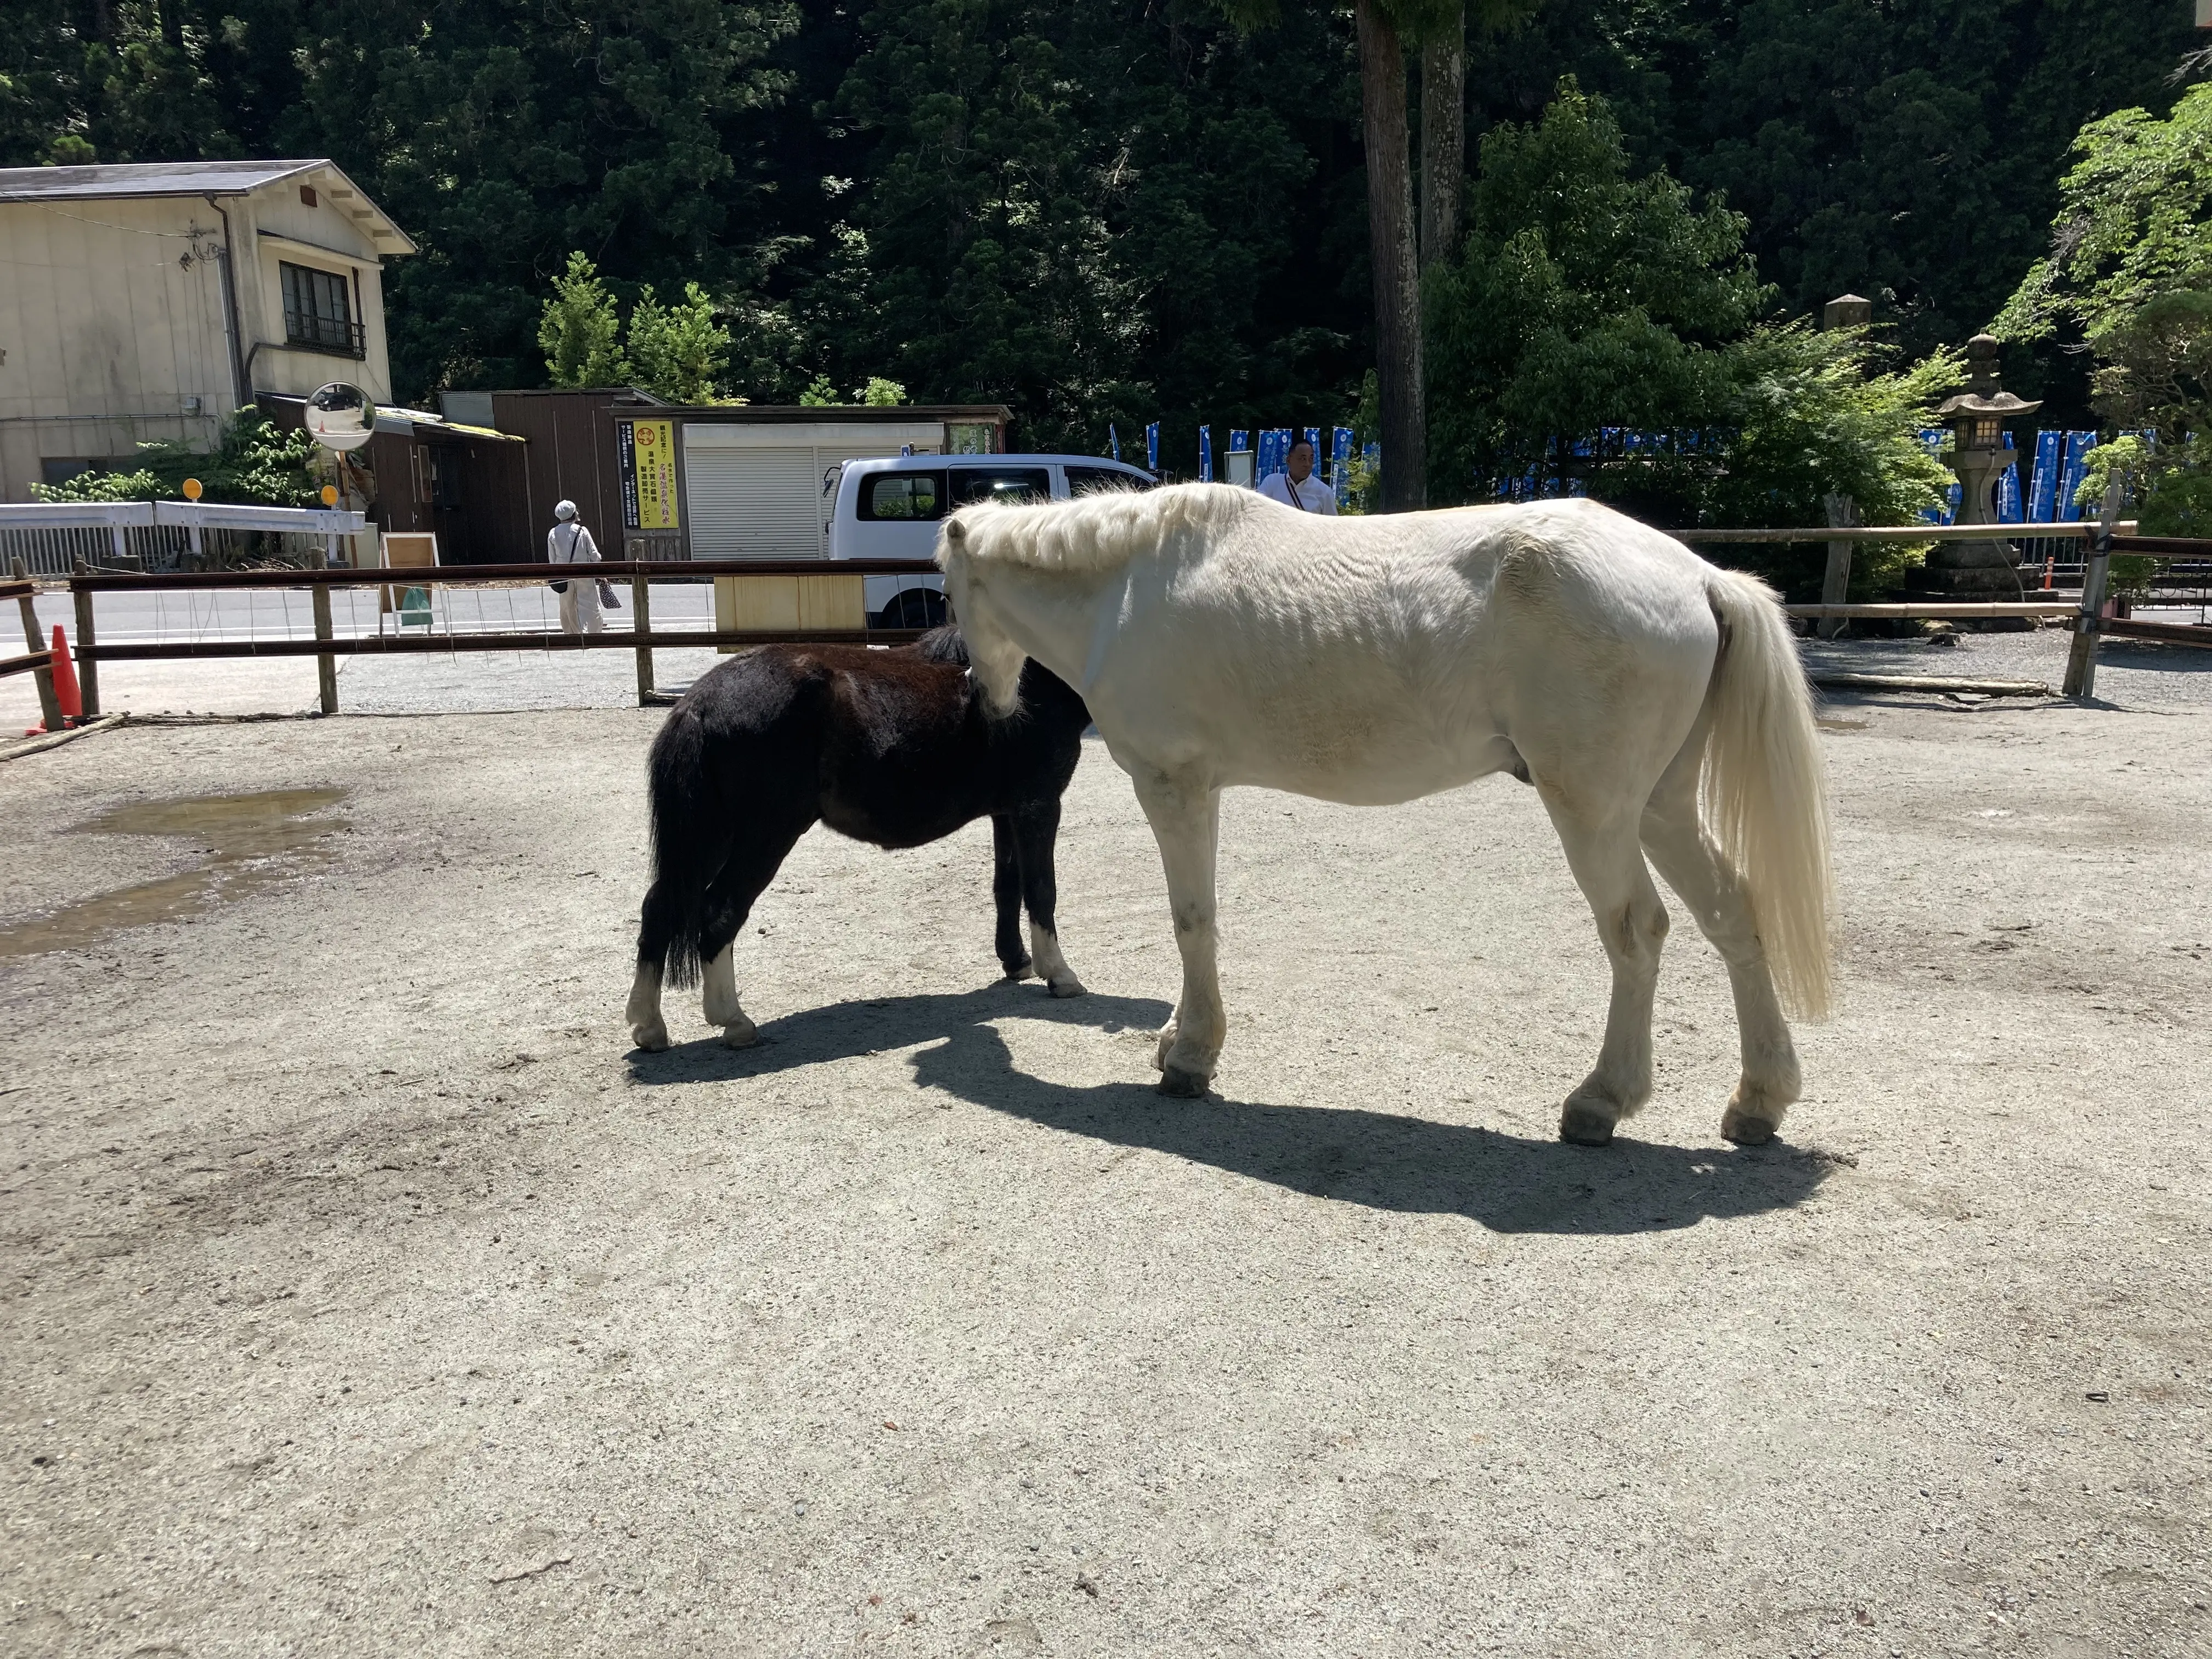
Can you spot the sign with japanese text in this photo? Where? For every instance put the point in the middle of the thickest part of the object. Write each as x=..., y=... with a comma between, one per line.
x=647, y=452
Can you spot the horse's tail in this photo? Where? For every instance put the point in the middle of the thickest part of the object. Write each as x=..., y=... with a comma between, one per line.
x=686, y=851
x=1765, y=787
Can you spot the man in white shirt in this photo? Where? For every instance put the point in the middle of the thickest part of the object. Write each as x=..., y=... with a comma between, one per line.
x=1298, y=487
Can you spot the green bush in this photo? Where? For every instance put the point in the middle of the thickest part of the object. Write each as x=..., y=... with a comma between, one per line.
x=255, y=463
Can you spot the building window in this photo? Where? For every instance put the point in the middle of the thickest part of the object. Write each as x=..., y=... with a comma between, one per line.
x=318, y=313
x=59, y=469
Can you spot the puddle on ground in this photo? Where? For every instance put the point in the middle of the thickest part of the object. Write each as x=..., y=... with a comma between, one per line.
x=1829, y=723
x=252, y=842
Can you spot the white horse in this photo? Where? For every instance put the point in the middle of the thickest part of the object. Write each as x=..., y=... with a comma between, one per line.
x=1220, y=638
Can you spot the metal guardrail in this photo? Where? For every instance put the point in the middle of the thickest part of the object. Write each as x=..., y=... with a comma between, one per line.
x=53, y=538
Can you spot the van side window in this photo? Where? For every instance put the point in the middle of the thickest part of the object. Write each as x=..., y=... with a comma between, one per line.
x=902, y=498
x=1082, y=480
x=1000, y=484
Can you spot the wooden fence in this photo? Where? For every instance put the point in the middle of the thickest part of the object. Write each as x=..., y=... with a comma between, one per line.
x=757, y=587
x=756, y=597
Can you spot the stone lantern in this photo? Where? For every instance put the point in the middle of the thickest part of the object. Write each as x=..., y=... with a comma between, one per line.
x=1977, y=416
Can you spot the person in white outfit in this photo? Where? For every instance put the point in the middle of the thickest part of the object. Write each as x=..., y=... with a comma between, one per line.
x=569, y=543
x=1298, y=487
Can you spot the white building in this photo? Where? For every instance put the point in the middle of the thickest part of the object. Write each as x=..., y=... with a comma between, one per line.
x=148, y=301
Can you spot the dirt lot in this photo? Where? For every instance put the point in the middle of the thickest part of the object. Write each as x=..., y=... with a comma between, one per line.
x=364, y=1295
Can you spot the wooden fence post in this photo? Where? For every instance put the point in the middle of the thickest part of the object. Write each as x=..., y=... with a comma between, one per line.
x=1835, y=585
x=326, y=667
x=49, y=706
x=87, y=674
x=2081, y=656
x=640, y=594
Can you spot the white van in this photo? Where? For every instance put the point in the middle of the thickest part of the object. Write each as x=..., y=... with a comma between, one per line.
x=890, y=509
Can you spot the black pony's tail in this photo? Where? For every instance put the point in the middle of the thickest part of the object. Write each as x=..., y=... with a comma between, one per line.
x=686, y=851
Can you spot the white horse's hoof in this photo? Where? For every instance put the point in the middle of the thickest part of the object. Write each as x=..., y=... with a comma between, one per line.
x=1751, y=1119
x=1585, y=1123
x=651, y=1035
x=739, y=1034
x=1067, y=987
x=1184, y=1086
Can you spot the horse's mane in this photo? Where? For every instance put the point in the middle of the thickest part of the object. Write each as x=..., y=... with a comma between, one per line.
x=1101, y=531
x=942, y=645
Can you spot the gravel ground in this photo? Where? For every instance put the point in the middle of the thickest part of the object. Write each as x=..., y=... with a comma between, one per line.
x=364, y=1295
x=2130, y=674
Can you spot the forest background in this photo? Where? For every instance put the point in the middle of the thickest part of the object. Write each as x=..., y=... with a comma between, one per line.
x=1124, y=211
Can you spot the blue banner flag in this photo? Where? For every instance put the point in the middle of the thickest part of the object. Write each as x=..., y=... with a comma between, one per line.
x=2078, y=445
x=1340, y=465
x=1153, y=447
x=2008, y=489
x=1238, y=439
x=1113, y=441
x=2043, y=481
x=1206, y=454
x=1313, y=436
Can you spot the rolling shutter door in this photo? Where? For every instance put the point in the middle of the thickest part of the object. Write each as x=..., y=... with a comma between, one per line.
x=754, y=503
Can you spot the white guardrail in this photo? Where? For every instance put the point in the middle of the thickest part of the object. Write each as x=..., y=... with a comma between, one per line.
x=50, y=537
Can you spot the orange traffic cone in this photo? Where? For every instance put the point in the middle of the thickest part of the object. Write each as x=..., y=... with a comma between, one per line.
x=65, y=691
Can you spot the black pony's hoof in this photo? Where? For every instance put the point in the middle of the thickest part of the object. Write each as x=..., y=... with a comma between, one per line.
x=1585, y=1126
x=1021, y=970
x=1184, y=1086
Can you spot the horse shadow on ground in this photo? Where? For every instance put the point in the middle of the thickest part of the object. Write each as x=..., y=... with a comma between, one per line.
x=1508, y=1183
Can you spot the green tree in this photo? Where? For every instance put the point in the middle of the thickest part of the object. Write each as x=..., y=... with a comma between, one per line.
x=1586, y=298
x=2130, y=272
x=580, y=332
x=1106, y=211
x=502, y=139
x=679, y=350
x=1580, y=298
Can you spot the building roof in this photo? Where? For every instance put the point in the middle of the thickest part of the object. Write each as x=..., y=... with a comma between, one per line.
x=142, y=178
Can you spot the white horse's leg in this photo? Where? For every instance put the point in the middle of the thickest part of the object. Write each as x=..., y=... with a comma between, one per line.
x=718, y=994
x=1600, y=844
x=647, y=1028
x=1186, y=822
x=1693, y=867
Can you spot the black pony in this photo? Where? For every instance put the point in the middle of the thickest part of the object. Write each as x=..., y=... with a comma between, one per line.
x=891, y=747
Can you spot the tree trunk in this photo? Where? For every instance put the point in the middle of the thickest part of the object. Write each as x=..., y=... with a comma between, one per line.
x=1397, y=271
x=1443, y=140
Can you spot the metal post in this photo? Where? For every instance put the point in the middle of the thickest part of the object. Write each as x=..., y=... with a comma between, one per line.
x=326, y=667
x=1835, y=585
x=640, y=592
x=87, y=674
x=49, y=706
x=2082, y=658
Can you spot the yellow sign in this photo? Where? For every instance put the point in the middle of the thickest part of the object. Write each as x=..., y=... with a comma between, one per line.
x=329, y=495
x=648, y=454
x=191, y=489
